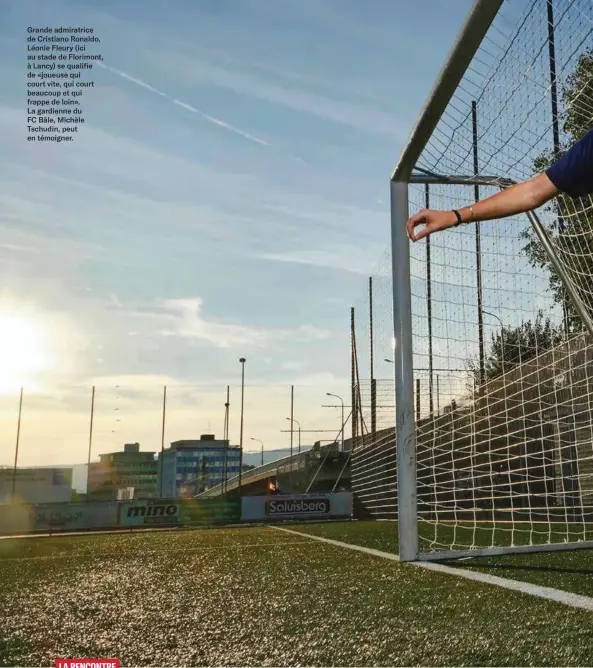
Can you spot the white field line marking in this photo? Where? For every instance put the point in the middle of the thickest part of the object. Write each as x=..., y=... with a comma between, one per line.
x=163, y=551
x=125, y=531
x=548, y=593
x=339, y=543
x=99, y=532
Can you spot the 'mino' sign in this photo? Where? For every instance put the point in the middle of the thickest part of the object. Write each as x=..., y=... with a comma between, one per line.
x=314, y=506
x=137, y=513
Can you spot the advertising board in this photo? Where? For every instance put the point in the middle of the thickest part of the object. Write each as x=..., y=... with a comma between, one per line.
x=320, y=505
x=21, y=519
x=168, y=512
x=217, y=511
x=308, y=506
x=149, y=512
x=74, y=516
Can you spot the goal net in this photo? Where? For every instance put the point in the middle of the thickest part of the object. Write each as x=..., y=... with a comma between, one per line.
x=494, y=362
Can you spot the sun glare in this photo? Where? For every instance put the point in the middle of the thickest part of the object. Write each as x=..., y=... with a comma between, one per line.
x=24, y=350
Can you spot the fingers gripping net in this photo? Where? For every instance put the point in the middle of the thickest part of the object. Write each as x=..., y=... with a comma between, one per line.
x=503, y=364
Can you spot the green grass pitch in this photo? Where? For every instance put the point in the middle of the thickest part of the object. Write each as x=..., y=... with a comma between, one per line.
x=257, y=596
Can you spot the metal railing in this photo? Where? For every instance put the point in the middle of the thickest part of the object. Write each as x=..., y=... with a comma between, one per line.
x=282, y=465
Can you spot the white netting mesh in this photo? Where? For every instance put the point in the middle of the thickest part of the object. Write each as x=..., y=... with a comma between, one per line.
x=503, y=367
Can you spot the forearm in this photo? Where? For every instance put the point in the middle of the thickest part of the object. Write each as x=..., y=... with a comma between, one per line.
x=516, y=199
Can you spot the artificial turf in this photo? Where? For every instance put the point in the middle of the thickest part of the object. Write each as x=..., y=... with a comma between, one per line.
x=567, y=570
x=256, y=596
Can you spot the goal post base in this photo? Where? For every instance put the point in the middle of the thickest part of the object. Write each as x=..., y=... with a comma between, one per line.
x=448, y=555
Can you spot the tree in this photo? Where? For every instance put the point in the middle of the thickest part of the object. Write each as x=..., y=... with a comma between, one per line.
x=516, y=345
x=572, y=230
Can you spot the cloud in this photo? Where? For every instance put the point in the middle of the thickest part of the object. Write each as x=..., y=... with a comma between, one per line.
x=188, y=321
x=188, y=107
x=346, y=258
x=186, y=315
x=367, y=118
x=143, y=382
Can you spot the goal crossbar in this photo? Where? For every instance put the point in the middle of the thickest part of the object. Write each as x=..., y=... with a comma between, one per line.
x=468, y=42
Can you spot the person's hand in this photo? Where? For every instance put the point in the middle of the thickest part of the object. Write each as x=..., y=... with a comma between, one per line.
x=433, y=221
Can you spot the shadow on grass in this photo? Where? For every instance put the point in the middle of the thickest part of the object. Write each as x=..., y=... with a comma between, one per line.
x=13, y=651
x=518, y=567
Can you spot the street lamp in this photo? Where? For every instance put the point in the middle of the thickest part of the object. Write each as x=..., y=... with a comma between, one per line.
x=492, y=315
x=242, y=360
x=293, y=420
x=262, y=449
x=329, y=394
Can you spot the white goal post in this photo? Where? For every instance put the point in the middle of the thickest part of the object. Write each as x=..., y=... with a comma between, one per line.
x=507, y=464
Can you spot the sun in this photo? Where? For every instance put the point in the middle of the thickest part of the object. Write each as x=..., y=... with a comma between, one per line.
x=24, y=349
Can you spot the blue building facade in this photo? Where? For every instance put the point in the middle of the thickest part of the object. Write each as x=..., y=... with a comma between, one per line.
x=191, y=466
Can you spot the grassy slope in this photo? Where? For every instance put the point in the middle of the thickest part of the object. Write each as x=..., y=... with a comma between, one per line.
x=261, y=597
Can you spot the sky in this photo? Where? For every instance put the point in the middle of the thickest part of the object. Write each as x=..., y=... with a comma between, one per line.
x=226, y=197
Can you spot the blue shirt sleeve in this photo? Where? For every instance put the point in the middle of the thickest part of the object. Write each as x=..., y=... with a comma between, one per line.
x=573, y=173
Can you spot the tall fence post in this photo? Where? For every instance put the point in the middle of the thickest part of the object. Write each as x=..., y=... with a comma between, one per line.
x=372, y=360
x=242, y=361
x=354, y=424
x=162, y=467
x=556, y=128
x=88, y=459
x=16, y=447
x=291, y=427
x=226, y=439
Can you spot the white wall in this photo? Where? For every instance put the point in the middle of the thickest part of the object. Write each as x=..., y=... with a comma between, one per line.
x=37, y=485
